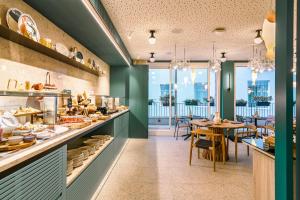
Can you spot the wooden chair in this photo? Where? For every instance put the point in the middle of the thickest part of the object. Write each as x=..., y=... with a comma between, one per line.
x=206, y=140
x=247, y=131
x=268, y=129
x=181, y=123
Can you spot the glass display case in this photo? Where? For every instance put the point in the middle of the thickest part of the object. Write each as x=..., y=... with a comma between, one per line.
x=28, y=116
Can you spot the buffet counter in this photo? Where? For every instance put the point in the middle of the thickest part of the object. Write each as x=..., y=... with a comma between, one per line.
x=14, y=159
x=264, y=169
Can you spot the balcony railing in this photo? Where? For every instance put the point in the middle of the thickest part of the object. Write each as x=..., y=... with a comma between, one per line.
x=158, y=110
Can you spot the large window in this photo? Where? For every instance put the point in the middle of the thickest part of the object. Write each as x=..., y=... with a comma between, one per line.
x=181, y=93
x=254, y=92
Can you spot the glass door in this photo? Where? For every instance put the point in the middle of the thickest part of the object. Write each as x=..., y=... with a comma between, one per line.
x=161, y=97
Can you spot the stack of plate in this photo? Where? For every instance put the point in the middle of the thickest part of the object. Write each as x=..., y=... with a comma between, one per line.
x=69, y=167
x=90, y=149
x=102, y=137
x=96, y=143
x=77, y=157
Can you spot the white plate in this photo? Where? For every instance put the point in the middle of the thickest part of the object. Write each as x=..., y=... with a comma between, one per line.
x=30, y=26
x=61, y=48
x=12, y=18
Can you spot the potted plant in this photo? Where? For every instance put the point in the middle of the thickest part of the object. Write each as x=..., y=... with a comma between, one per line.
x=241, y=102
x=165, y=100
x=262, y=100
x=211, y=101
x=191, y=102
x=150, y=102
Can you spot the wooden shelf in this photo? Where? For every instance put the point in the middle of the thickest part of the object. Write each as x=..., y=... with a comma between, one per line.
x=26, y=42
x=43, y=93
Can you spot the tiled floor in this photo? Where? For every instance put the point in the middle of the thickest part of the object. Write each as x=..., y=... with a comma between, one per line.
x=158, y=168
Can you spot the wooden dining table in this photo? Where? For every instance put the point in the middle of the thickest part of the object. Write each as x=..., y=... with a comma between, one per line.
x=218, y=128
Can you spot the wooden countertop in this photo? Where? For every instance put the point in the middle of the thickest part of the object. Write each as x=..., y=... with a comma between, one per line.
x=59, y=140
x=257, y=144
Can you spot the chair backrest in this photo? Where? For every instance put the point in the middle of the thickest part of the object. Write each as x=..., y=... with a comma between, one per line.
x=202, y=131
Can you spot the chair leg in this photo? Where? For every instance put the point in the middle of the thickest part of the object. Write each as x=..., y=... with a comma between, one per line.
x=198, y=153
x=223, y=149
x=214, y=158
x=191, y=149
x=247, y=150
x=177, y=133
x=175, y=129
x=235, y=151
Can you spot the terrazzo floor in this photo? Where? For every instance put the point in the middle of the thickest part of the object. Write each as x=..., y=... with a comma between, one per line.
x=158, y=168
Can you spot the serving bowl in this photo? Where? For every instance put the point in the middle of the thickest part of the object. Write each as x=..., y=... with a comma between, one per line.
x=14, y=140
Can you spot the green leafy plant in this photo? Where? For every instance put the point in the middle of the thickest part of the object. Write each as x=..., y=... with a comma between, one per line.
x=191, y=102
x=165, y=100
x=150, y=102
x=241, y=102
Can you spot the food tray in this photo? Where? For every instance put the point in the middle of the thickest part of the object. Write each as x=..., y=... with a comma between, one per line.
x=22, y=145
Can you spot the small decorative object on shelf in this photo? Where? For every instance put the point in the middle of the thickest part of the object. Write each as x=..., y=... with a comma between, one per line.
x=46, y=42
x=48, y=84
x=61, y=48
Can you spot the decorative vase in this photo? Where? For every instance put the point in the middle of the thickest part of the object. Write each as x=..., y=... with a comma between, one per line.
x=217, y=118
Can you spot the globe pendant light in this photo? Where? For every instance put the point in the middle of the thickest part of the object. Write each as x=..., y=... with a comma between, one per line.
x=152, y=38
x=152, y=59
x=258, y=39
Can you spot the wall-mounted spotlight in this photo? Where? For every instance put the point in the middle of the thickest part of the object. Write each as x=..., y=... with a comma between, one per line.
x=258, y=39
x=152, y=38
x=223, y=58
x=152, y=59
x=229, y=83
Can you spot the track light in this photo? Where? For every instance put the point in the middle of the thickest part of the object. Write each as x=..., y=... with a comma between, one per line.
x=152, y=38
x=152, y=59
x=223, y=58
x=258, y=39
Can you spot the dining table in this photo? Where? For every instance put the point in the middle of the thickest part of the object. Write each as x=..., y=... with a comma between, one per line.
x=222, y=128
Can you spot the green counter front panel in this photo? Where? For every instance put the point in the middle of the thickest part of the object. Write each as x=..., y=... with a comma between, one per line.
x=42, y=179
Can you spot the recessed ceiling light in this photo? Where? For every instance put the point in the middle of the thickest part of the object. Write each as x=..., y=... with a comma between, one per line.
x=219, y=31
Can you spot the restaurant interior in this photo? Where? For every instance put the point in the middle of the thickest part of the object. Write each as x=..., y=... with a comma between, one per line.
x=136, y=99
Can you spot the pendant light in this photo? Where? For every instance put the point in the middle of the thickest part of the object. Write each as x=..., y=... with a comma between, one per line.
x=152, y=59
x=152, y=38
x=223, y=58
x=215, y=64
x=258, y=39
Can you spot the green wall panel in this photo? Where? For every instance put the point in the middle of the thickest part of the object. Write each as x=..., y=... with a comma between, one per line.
x=119, y=83
x=138, y=101
x=284, y=100
x=227, y=96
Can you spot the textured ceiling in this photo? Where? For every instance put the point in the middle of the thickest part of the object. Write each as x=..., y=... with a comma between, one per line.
x=196, y=18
